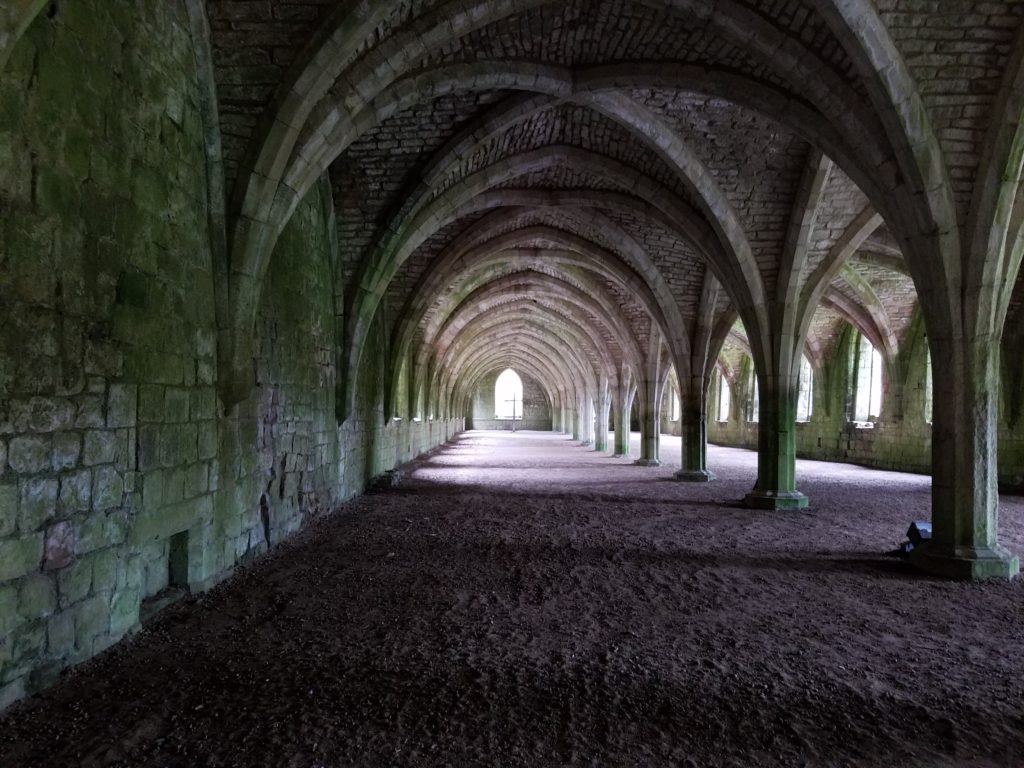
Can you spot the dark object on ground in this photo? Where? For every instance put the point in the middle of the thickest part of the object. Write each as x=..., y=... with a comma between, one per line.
x=919, y=532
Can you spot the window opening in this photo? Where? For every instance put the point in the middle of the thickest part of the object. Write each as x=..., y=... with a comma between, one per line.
x=928, y=387
x=805, y=397
x=754, y=401
x=724, y=397
x=868, y=402
x=508, y=396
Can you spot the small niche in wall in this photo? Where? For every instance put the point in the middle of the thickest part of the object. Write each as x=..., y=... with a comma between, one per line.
x=177, y=579
x=177, y=561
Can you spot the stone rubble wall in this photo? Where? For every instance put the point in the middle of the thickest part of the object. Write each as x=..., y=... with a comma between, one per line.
x=120, y=473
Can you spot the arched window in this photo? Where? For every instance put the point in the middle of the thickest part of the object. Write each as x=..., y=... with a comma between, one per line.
x=928, y=387
x=754, y=399
x=805, y=398
x=868, y=401
x=674, y=406
x=508, y=396
x=724, y=397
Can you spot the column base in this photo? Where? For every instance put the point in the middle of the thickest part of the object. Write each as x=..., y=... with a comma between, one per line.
x=620, y=455
x=647, y=463
x=584, y=443
x=694, y=475
x=966, y=563
x=776, y=500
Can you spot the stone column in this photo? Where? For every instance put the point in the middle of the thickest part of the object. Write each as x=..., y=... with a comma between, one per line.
x=622, y=406
x=621, y=446
x=574, y=414
x=776, y=447
x=650, y=425
x=965, y=492
x=603, y=406
x=586, y=409
x=695, y=435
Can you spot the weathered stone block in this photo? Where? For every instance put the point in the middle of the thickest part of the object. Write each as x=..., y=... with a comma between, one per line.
x=67, y=447
x=37, y=596
x=74, y=582
x=29, y=454
x=38, y=503
x=151, y=403
x=121, y=405
x=100, y=447
x=107, y=489
x=206, y=446
x=104, y=570
x=204, y=404
x=124, y=610
x=9, y=497
x=187, y=443
x=102, y=357
x=92, y=618
x=59, y=550
x=116, y=527
x=9, y=617
x=45, y=414
x=195, y=480
x=76, y=491
x=89, y=410
x=166, y=521
x=205, y=372
x=20, y=556
x=130, y=572
x=60, y=633
x=176, y=405
x=90, y=533
x=168, y=445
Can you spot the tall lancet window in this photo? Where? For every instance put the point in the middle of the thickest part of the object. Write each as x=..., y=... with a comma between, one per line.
x=508, y=396
x=805, y=398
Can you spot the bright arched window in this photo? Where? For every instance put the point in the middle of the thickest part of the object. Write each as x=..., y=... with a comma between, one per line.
x=805, y=398
x=724, y=397
x=868, y=402
x=508, y=396
x=928, y=388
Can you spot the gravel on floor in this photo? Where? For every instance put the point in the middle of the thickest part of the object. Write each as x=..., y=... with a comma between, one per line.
x=523, y=601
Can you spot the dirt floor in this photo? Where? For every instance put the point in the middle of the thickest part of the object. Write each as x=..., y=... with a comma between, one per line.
x=522, y=601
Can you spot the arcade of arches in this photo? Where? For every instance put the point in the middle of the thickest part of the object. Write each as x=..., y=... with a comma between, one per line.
x=256, y=253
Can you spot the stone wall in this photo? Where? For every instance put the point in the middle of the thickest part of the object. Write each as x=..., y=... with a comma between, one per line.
x=123, y=483
x=107, y=392
x=536, y=408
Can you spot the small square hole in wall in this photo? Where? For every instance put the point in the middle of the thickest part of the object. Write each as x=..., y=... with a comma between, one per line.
x=177, y=561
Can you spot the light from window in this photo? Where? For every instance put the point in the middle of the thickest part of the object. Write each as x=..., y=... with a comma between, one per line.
x=805, y=397
x=724, y=397
x=928, y=387
x=508, y=396
x=674, y=411
x=754, y=402
x=868, y=402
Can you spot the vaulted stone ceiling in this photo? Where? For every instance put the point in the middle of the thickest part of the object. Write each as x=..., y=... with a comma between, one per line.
x=572, y=168
x=597, y=190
